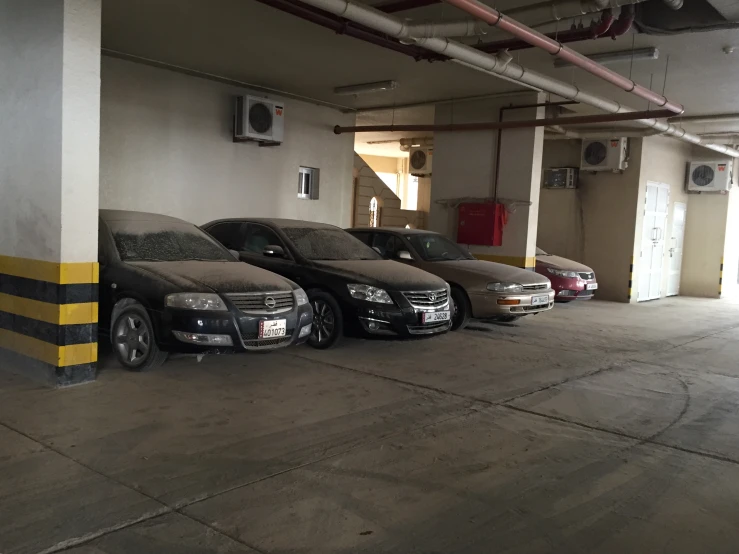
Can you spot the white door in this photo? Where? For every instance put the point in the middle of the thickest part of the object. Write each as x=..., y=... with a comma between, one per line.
x=653, y=241
x=675, y=250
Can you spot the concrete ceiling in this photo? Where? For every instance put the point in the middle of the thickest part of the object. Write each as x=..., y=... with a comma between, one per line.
x=250, y=42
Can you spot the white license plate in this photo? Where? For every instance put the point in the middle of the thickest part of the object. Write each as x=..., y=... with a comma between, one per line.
x=433, y=317
x=591, y=286
x=539, y=300
x=272, y=329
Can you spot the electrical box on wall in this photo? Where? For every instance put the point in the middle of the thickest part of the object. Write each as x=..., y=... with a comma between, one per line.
x=481, y=224
x=560, y=178
x=710, y=176
x=608, y=154
x=420, y=160
x=260, y=120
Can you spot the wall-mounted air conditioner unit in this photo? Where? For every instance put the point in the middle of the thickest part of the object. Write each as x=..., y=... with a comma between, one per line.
x=560, y=178
x=710, y=176
x=259, y=119
x=420, y=161
x=608, y=154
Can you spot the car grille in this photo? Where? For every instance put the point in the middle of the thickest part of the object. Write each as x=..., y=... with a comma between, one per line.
x=532, y=308
x=251, y=340
x=536, y=287
x=587, y=276
x=427, y=299
x=256, y=302
x=428, y=329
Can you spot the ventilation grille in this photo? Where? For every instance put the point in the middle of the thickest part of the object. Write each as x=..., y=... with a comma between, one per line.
x=427, y=299
x=263, y=303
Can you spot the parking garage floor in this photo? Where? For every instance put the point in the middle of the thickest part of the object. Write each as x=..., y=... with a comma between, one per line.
x=597, y=427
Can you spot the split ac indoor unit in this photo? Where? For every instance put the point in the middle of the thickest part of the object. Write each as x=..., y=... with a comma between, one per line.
x=607, y=154
x=710, y=176
x=259, y=119
x=420, y=161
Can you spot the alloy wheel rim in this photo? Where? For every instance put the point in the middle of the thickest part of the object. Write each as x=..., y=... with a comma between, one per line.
x=132, y=340
x=324, y=322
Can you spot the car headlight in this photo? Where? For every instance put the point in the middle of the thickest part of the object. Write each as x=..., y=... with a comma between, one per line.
x=195, y=301
x=562, y=272
x=505, y=287
x=370, y=294
x=301, y=298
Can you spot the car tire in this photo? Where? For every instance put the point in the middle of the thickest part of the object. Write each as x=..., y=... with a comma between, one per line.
x=462, y=309
x=328, y=321
x=133, y=339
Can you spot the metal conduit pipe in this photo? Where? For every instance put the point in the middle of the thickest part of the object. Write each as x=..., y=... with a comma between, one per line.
x=535, y=38
x=710, y=118
x=546, y=12
x=500, y=66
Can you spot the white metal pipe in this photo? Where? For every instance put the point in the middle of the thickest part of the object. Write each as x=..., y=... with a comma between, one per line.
x=711, y=118
x=499, y=66
x=455, y=28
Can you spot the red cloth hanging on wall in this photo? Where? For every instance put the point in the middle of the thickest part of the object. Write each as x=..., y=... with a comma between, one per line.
x=481, y=223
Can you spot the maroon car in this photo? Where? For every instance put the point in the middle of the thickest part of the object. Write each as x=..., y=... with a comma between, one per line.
x=570, y=280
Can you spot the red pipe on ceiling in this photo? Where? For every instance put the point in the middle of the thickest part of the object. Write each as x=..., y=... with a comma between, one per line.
x=493, y=17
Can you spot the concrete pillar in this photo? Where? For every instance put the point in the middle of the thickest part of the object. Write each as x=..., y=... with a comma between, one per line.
x=49, y=165
x=464, y=166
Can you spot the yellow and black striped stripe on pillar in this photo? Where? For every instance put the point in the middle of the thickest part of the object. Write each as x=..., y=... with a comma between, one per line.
x=49, y=315
x=631, y=277
x=721, y=277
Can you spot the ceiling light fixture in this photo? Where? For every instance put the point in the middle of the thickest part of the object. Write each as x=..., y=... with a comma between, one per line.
x=366, y=88
x=617, y=57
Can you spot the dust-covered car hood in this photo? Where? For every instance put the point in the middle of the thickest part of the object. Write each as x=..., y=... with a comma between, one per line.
x=557, y=262
x=216, y=276
x=487, y=272
x=386, y=274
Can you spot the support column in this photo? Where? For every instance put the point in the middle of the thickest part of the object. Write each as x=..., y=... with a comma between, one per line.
x=49, y=181
x=464, y=166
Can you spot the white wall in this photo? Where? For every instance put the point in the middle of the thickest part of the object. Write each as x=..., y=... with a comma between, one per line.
x=166, y=147
x=49, y=125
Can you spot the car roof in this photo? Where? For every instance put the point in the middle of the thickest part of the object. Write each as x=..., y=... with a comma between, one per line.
x=277, y=222
x=126, y=215
x=403, y=230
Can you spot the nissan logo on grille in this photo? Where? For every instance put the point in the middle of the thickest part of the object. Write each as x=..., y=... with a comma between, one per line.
x=270, y=302
x=432, y=296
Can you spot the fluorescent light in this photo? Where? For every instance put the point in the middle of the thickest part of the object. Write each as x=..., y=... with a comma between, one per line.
x=617, y=57
x=366, y=88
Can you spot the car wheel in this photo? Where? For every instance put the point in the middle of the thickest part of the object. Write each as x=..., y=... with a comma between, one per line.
x=133, y=339
x=462, y=309
x=328, y=322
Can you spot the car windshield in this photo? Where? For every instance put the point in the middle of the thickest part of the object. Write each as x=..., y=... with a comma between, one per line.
x=437, y=248
x=157, y=241
x=540, y=252
x=329, y=244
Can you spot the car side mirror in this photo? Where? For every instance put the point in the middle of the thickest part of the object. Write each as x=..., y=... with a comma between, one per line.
x=404, y=255
x=274, y=251
x=235, y=254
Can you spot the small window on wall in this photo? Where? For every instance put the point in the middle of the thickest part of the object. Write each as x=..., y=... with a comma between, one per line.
x=308, y=183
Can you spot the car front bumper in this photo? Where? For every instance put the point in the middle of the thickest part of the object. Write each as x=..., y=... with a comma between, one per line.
x=242, y=328
x=493, y=304
x=567, y=289
x=376, y=319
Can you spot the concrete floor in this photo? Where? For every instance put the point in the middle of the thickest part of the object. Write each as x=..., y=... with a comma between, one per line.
x=597, y=427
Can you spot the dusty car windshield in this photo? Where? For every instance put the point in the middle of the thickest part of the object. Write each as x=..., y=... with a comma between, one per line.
x=157, y=241
x=437, y=248
x=329, y=244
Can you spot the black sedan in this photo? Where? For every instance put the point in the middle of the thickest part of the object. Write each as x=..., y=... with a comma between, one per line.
x=350, y=286
x=166, y=286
